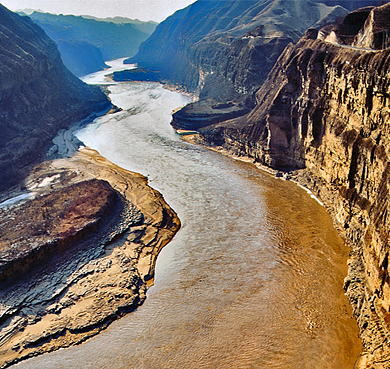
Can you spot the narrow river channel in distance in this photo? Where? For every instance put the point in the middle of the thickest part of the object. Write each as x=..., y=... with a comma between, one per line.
x=252, y=280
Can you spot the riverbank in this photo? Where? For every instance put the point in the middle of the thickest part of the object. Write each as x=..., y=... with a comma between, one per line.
x=89, y=273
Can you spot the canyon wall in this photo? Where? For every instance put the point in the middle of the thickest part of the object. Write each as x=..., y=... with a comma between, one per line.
x=323, y=115
x=79, y=236
x=38, y=95
x=223, y=50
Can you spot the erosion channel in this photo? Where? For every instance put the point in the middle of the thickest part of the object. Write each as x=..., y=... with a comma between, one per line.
x=254, y=278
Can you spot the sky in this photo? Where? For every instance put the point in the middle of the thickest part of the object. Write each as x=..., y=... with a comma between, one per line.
x=156, y=10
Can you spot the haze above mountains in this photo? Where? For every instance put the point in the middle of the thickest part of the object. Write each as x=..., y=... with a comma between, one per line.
x=145, y=10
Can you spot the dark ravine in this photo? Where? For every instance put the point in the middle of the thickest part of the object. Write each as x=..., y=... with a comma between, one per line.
x=322, y=117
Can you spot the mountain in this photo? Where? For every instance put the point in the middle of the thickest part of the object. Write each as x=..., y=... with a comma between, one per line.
x=81, y=57
x=224, y=49
x=38, y=95
x=322, y=117
x=86, y=43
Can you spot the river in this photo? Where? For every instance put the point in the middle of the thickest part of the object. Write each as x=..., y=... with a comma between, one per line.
x=252, y=280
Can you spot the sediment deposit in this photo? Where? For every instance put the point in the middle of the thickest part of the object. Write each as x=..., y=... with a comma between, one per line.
x=87, y=238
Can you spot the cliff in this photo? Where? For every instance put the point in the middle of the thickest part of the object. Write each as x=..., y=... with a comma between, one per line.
x=223, y=50
x=38, y=95
x=323, y=114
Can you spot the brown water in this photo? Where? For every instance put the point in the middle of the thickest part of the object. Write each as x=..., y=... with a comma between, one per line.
x=252, y=280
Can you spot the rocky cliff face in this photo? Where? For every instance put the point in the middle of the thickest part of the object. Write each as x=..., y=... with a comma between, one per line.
x=325, y=108
x=38, y=95
x=224, y=49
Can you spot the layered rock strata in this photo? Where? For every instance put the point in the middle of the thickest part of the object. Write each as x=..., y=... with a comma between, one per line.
x=325, y=108
x=38, y=95
x=87, y=253
x=203, y=113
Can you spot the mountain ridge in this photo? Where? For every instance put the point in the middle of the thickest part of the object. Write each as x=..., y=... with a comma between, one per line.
x=85, y=43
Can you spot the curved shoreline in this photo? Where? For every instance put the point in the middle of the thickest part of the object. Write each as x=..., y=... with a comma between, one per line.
x=110, y=282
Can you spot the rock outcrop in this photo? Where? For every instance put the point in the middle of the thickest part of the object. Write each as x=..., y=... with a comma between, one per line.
x=203, y=113
x=38, y=95
x=323, y=114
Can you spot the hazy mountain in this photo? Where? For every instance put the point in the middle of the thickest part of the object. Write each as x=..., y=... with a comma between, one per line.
x=147, y=27
x=69, y=32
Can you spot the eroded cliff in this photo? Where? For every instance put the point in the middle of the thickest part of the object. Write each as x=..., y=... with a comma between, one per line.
x=323, y=114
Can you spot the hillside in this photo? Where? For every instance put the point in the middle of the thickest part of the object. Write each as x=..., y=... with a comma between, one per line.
x=224, y=49
x=38, y=95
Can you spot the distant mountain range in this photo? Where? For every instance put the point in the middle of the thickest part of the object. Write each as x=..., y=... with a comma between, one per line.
x=85, y=43
x=146, y=27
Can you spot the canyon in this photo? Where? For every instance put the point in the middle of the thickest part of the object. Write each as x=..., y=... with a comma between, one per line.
x=224, y=50
x=313, y=108
x=85, y=43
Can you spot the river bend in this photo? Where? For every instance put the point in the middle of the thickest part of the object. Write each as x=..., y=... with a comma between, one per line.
x=252, y=280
